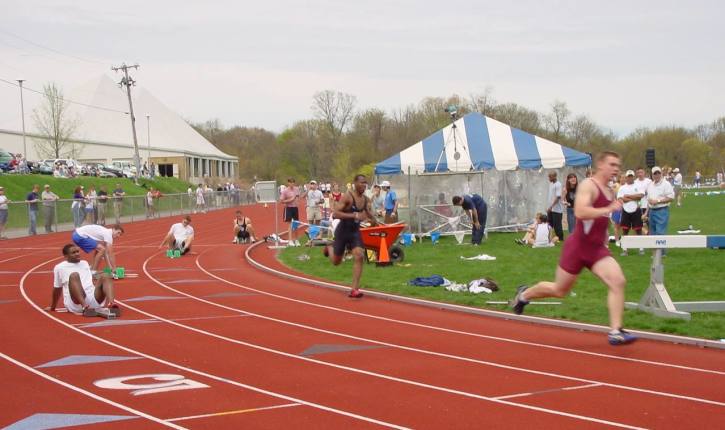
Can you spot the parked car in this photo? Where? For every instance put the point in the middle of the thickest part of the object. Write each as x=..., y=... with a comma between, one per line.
x=104, y=171
x=42, y=167
x=5, y=158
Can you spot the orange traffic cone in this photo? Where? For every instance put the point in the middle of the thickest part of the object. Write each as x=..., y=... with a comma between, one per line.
x=383, y=255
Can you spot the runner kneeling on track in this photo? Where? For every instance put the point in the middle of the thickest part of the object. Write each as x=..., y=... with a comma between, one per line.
x=352, y=208
x=179, y=236
x=243, y=230
x=81, y=291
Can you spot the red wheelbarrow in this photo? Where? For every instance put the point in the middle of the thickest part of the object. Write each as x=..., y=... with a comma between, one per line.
x=381, y=240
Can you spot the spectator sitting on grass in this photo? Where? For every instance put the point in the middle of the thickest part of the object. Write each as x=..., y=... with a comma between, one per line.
x=540, y=234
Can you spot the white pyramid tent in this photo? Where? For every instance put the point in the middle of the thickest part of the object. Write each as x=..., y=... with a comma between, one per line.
x=105, y=134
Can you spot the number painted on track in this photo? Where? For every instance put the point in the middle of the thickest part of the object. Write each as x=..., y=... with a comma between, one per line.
x=167, y=382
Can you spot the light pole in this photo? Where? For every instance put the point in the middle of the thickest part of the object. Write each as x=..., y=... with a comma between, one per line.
x=22, y=117
x=148, y=137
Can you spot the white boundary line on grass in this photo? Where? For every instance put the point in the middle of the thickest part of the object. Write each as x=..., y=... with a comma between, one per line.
x=194, y=371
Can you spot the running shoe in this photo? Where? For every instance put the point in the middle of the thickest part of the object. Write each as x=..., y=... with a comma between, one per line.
x=518, y=303
x=621, y=338
x=356, y=294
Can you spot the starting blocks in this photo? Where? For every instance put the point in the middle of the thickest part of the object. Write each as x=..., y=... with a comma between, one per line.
x=173, y=253
x=120, y=272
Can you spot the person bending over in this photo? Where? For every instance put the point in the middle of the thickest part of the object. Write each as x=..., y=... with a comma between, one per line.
x=99, y=240
x=180, y=236
x=73, y=279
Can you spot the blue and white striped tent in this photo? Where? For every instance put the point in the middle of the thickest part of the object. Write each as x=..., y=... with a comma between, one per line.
x=481, y=143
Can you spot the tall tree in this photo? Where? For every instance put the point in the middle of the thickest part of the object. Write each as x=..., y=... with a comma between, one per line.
x=556, y=121
x=336, y=110
x=55, y=125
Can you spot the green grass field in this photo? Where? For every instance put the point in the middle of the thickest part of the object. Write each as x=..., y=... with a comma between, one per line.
x=690, y=274
x=18, y=186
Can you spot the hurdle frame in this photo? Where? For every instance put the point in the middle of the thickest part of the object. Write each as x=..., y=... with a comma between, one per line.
x=656, y=300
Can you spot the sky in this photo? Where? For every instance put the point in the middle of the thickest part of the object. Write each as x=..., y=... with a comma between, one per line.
x=624, y=64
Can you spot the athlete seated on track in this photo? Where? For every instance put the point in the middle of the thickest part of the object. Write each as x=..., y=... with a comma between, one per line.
x=80, y=289
x=179, y=236
x=352, y=208
x=243, y=230
x=98, y=239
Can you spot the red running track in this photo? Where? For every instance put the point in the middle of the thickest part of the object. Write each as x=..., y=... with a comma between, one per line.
x=243, y=348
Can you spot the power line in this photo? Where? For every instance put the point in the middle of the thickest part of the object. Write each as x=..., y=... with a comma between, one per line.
x=50, y=49
x=64, y=99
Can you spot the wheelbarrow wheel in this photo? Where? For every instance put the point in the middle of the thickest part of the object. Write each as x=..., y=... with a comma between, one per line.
x=396, y=254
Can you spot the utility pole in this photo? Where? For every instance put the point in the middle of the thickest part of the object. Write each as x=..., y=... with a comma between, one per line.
x=22, y=116
x=128, y=82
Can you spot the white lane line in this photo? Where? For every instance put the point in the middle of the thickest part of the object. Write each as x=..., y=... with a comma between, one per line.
x=239, y=411
x=91, y=395
x=434, y=353
x=555, y=390
x=362, y=371
x=465, y=333
x=194, y=371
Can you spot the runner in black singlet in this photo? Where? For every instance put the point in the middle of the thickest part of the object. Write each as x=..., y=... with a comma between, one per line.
x=352, y=208
x=243, y=230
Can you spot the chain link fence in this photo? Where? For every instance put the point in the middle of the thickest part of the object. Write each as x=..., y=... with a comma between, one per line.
x=64, y=215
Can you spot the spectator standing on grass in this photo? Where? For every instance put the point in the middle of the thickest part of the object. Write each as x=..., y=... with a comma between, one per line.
x=698, y=179
x=390, y=204
x=659, y=195
x=77, y=206
x=150, y=210
x=32, y=200
x=630, y=196
x=642, y=183
x=377, y=202
x=555, y=209
x=677, y=185
x=3, y=212
x=118, y=194
x=291, y=212
x=568, y=200
x=315, y=199
x=102, y=202
x=190, y=195
x=49, y=198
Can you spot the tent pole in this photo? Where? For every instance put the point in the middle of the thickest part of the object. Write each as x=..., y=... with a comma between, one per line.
x=410, y=202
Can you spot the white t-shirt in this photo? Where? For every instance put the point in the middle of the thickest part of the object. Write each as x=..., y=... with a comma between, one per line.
x=4, y=202
x=678, y=180
x=150, y=198
x=554, y=192
x=96, y=232
x=542, y=234
x=181, y=232
x=629, y=190
x=658, y=190
x=313, y=198
x=199, y=196
x=61, y=274
x=643, y=185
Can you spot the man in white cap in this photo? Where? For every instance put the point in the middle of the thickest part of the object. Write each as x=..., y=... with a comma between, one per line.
x=677, y=185
x=315, y=199
x=391, y=203
x=630, y=195
x=659, y=195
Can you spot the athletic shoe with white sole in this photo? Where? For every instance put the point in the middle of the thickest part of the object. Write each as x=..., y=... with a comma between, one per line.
x=621, y=338
x=519, y=303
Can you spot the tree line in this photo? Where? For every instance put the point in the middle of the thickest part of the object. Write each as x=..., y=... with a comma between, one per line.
x=340, y=139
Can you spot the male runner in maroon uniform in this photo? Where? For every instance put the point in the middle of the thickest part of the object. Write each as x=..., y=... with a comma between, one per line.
x=587, y=247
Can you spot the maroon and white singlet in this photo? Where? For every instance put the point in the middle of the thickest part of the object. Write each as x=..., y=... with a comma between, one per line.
x=587, y=244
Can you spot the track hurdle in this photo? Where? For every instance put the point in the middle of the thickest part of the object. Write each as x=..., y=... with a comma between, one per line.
x=656, y=300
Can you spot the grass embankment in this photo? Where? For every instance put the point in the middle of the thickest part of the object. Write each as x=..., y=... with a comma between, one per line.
x=690, y=274
x=18, y=186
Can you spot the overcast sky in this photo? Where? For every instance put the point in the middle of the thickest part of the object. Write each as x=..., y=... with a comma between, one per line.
x=626, y=64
